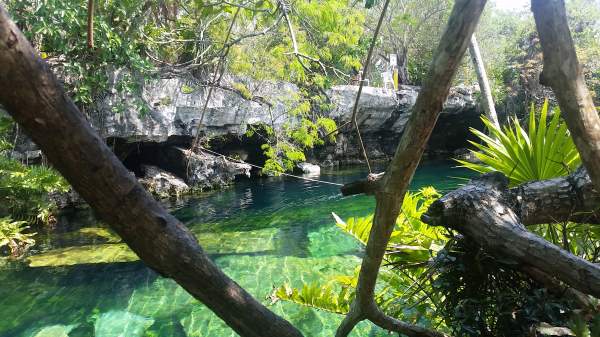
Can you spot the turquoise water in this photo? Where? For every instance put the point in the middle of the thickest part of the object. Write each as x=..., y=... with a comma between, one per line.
x=261, y=232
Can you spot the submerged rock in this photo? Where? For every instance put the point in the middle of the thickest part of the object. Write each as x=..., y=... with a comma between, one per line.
x=121, y=324
x=58, y=330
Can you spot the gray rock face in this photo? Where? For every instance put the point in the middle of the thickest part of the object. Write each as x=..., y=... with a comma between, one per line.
x=176, y=105
x=175, y=109
x=200, y=171
x=382, y=110
x=172, y=110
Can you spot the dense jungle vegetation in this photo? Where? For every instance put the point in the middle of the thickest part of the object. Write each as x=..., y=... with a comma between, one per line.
x=432, y=276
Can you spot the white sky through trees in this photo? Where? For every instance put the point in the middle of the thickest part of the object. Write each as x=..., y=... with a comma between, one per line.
x=512, y=4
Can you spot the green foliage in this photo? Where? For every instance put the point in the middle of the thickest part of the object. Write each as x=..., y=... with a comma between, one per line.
x=576, y=238
x=13, y=236
x=324, y=297
x=24, y=190
x=413, y=243
x=543, y=151
x=57, y=28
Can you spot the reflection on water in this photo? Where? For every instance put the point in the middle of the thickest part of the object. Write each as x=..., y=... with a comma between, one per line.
x=261, y=232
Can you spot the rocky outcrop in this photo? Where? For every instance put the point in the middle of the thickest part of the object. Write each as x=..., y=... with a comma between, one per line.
x=382, y=116
x=202, y=170
x=172, y=107
x=308, y=168
x=156, y=127
x=162, y=183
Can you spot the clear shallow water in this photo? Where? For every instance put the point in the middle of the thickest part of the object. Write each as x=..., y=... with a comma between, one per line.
x=262, y=233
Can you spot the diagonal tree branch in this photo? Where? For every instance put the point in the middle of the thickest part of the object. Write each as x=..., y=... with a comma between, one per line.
x=33, y=96
x=394, y=184
x=562, y=72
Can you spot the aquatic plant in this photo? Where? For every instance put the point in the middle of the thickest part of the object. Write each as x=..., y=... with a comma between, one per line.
x=543, y=151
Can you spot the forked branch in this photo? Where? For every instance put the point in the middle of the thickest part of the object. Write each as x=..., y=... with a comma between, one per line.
x=394, y=184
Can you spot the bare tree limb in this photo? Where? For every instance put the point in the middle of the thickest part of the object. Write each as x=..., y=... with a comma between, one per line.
x=453, y=44
x=35, y=99
x=563, y=73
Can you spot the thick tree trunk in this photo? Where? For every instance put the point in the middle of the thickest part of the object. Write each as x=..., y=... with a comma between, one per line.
x=484, y=84
x=390, y=190
x=486, y=211
x=563, y=73
x=32, y=95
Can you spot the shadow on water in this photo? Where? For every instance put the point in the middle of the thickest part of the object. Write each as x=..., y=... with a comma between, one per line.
x=262, y=232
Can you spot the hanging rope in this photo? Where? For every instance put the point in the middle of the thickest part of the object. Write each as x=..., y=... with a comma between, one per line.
x=216, y=78
x=262, y=168
x=360, y=86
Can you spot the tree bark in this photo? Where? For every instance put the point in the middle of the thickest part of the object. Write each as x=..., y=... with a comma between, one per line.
x=392, y=187
x=562, y=72
x=484, y=84
x=32, y=95
x=90, y=24
x=486, y=211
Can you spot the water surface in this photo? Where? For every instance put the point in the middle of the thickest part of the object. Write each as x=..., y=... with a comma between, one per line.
x=261, y=232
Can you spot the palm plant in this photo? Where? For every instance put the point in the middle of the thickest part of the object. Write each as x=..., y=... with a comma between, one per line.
x=543, y=151
x=12, y=234
x=412, y=246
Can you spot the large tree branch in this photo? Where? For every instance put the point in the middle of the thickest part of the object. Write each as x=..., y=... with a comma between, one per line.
x=562, y=72
x=486, y=211
x=394, y=184
x=32, y=95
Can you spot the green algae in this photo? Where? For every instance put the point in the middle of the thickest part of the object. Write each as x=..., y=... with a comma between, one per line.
x=253, y=242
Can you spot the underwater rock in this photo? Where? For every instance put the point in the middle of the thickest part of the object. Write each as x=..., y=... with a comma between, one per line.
x=260, y=241
x=106, y=253
x=121, y=324
x=55, y=331
x=162, y=183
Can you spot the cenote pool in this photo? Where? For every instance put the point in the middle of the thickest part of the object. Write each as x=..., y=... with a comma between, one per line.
x=261, y=232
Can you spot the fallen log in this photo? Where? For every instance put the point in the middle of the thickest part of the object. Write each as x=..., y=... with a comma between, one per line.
x=494, y=216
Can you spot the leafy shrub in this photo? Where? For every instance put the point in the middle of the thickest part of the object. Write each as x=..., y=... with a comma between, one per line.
x=24, y=190
x=543, y=151
x=13, y=236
